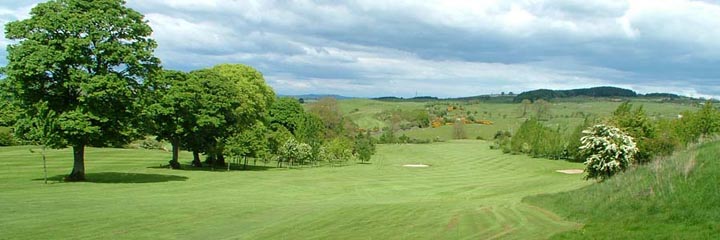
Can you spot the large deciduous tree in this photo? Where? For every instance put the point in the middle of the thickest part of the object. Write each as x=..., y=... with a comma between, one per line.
x=171, y=105
x=255, y=96
x=87, y=60
x=216, y=100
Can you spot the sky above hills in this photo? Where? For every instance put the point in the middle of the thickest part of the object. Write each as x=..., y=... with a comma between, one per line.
x=445, y=48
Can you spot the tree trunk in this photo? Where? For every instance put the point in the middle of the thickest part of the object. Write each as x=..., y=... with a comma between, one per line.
x=210, y=158
x=44, y=163
x=196, y=159
x=174, y=163
x=78, y=171
x=220, y=160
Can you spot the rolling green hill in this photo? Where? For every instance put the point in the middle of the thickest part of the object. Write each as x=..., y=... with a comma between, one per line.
x=675, y=198
x=505, y=116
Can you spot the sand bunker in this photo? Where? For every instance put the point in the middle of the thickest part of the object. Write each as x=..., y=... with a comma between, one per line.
x=416, y=165
x=571, y=171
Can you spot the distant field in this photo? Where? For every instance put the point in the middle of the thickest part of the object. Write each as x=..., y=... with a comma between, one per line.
x=506, y=116
x=469, y=192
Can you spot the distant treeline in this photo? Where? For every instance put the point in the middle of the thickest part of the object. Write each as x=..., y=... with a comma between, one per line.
x=414, y=99
x=608, y=92
x=586, y=92
x=546, y=94
x=481, y=98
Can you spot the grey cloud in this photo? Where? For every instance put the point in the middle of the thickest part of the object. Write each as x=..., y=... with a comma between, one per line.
x=365, y=47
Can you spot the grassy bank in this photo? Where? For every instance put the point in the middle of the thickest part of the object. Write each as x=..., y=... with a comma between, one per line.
x=676, y=198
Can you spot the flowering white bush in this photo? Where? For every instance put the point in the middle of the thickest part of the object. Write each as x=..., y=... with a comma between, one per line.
x=608, y=149
x=294, y=152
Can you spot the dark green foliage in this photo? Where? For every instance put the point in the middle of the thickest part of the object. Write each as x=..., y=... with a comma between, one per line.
x=637, y=125
x=216, y=117
x=287, y=112
x=665, y=141
x=695, y=125
x=589, y=92
x=707, y=120
x=39, y=125
x=278, y=137
x=251, y=142
x=364, y=147
x=573, y=152
x=8, y=110
x=537, y=140
x=310, y=130
x=172, y=107
x=501, y=140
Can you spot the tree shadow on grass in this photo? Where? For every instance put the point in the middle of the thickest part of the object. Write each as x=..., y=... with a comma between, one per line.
x=207, y=168
x=118, y=177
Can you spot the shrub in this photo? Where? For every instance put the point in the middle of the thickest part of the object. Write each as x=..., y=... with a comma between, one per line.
x=609, y=151
x=151, y=143
x=537, y=140
x=459, y=130
x=364, y=147
x=573, y=152
x=294, y=152
x=388, y=136
x=338, y=151
x=404, y=139
x=6, y=137
x=637, y=124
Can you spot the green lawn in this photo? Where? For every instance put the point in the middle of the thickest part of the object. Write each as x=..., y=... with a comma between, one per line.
x=469, y=192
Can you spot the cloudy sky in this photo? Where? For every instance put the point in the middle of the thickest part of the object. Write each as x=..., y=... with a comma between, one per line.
x=444, y=48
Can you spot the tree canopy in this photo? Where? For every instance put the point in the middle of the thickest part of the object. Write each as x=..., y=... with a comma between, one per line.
x=86, y=60
x=171, y=107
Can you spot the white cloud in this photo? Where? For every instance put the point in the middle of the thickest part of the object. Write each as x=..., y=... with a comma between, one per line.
x=443, y=47
x=181, y=34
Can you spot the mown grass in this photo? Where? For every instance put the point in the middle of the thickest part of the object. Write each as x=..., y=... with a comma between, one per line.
x=675, y=198
x=469, y=192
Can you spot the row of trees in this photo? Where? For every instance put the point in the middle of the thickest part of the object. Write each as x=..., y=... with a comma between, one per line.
x=201, y=110
x=83, y=73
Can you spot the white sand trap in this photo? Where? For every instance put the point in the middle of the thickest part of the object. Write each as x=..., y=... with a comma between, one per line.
x=416, y=165
x=571, y=171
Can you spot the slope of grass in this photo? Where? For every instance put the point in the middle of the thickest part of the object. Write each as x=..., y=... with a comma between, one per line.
x=676, y=198
x=469, y=192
